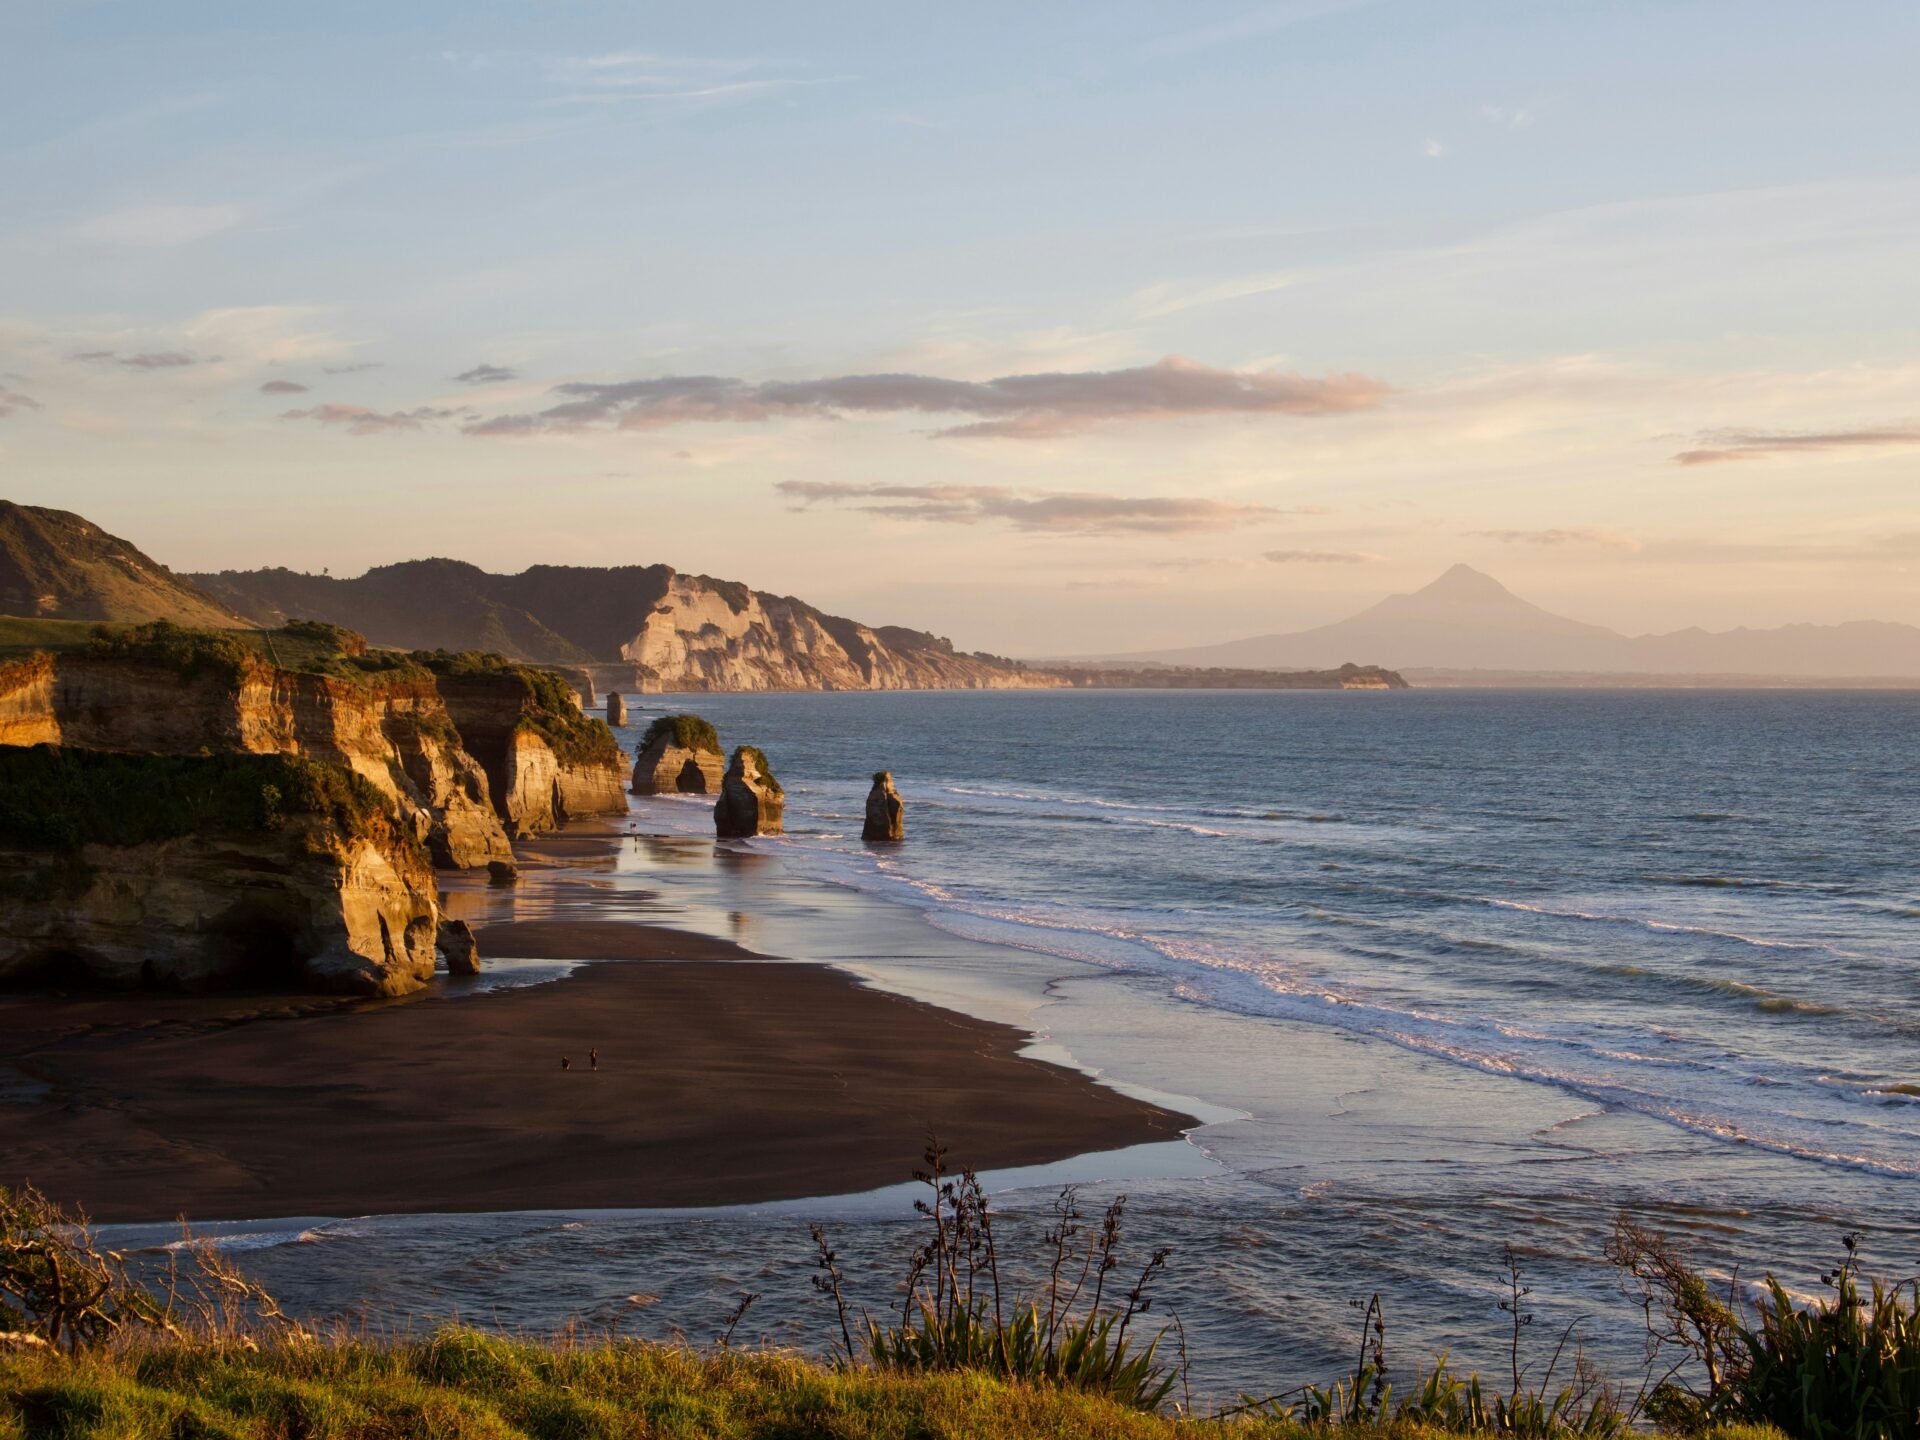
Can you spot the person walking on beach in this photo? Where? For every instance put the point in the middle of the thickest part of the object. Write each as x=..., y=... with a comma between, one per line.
x=566, y=1062
x=593, y=1058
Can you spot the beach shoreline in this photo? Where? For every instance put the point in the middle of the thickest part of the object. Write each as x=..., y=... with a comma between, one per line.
x=724, y=1077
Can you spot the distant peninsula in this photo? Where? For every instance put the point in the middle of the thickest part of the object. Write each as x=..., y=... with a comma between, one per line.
x=1193, y=677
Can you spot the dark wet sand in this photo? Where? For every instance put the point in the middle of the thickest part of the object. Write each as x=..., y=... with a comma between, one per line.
x=723, y=1079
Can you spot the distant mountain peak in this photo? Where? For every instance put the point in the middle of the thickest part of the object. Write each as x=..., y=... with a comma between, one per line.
x=1463, y=582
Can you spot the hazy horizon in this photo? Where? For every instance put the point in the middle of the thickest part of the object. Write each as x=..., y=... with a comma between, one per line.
x=1059, y=333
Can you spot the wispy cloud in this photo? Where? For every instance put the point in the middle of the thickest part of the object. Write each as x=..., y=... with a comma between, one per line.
x=283, y=387
x=1606, y=539
x=648, y=77
x=1320, y=557
x=159, y=225
x=146, y=359
x=1075, y=512
x=486, y=375
x=14, y=402
x=1022, y=406
x=1753, y=444
x=1171, y=298
x=353, y=369
x=359, y=420
x=1433, y=149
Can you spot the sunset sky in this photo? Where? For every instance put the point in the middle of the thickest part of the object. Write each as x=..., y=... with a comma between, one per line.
x=1051, y=328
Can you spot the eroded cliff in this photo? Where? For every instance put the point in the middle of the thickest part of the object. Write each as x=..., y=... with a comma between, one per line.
x=190, y=871
x=182, y=692
x=545, y=761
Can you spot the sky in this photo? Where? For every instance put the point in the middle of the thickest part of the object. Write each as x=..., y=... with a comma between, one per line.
x=1053, y=328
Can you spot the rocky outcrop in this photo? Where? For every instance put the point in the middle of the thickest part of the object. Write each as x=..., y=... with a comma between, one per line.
x=616, y=708
x=457, y=947
x=679, y=755
x=886, y=811
x=545, y=762
x=751, y=801
x=190, y=872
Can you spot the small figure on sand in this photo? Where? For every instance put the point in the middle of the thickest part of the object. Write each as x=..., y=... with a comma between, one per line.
x=566, y=1063
x=593, y=1058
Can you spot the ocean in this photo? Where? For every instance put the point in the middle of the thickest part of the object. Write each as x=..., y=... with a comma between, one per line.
x=1448, y=975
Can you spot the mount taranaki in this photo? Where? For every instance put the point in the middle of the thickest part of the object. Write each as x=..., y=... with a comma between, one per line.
x=1467, y=620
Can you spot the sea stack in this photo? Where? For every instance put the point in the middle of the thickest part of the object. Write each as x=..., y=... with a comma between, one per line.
x=751, y=801
x=616, y=708
x=886, y=812
x=679, y=755
x=456, y=946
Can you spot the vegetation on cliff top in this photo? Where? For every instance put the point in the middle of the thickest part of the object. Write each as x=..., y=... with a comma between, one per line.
x=689, y=732
x=549, y=707
x=187, y=652
x=310, y=647
x=753, y=763
x=60, y=799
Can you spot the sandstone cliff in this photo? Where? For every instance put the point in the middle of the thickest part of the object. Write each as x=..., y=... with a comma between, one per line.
x=190, y=871
x=660, y=629
x=679, y=755
x=193, y=692
x=470, y=748
x=545, y=761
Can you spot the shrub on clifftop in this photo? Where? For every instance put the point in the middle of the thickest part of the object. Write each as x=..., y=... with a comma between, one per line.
x=688, y=732
x=188, y=652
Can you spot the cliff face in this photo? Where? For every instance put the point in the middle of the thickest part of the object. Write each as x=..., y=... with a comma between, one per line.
x=395, y=732
x=192, y=871
x=701, y=636
x=675, y=631
x=545, y=763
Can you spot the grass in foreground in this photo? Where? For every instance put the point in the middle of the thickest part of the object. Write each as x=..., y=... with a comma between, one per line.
x=189, y=1346
x=459, y=1383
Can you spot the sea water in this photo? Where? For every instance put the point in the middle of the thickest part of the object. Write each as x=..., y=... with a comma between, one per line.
x=1451, y=978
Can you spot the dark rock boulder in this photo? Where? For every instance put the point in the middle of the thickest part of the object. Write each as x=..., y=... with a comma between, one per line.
x=886, y=811
x=751, y=801
x=456, y=946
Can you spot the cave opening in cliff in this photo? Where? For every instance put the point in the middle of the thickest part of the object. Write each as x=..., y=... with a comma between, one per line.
x=260, y=951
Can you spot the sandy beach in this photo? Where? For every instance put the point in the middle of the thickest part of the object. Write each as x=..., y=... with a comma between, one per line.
x=723, y=1078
